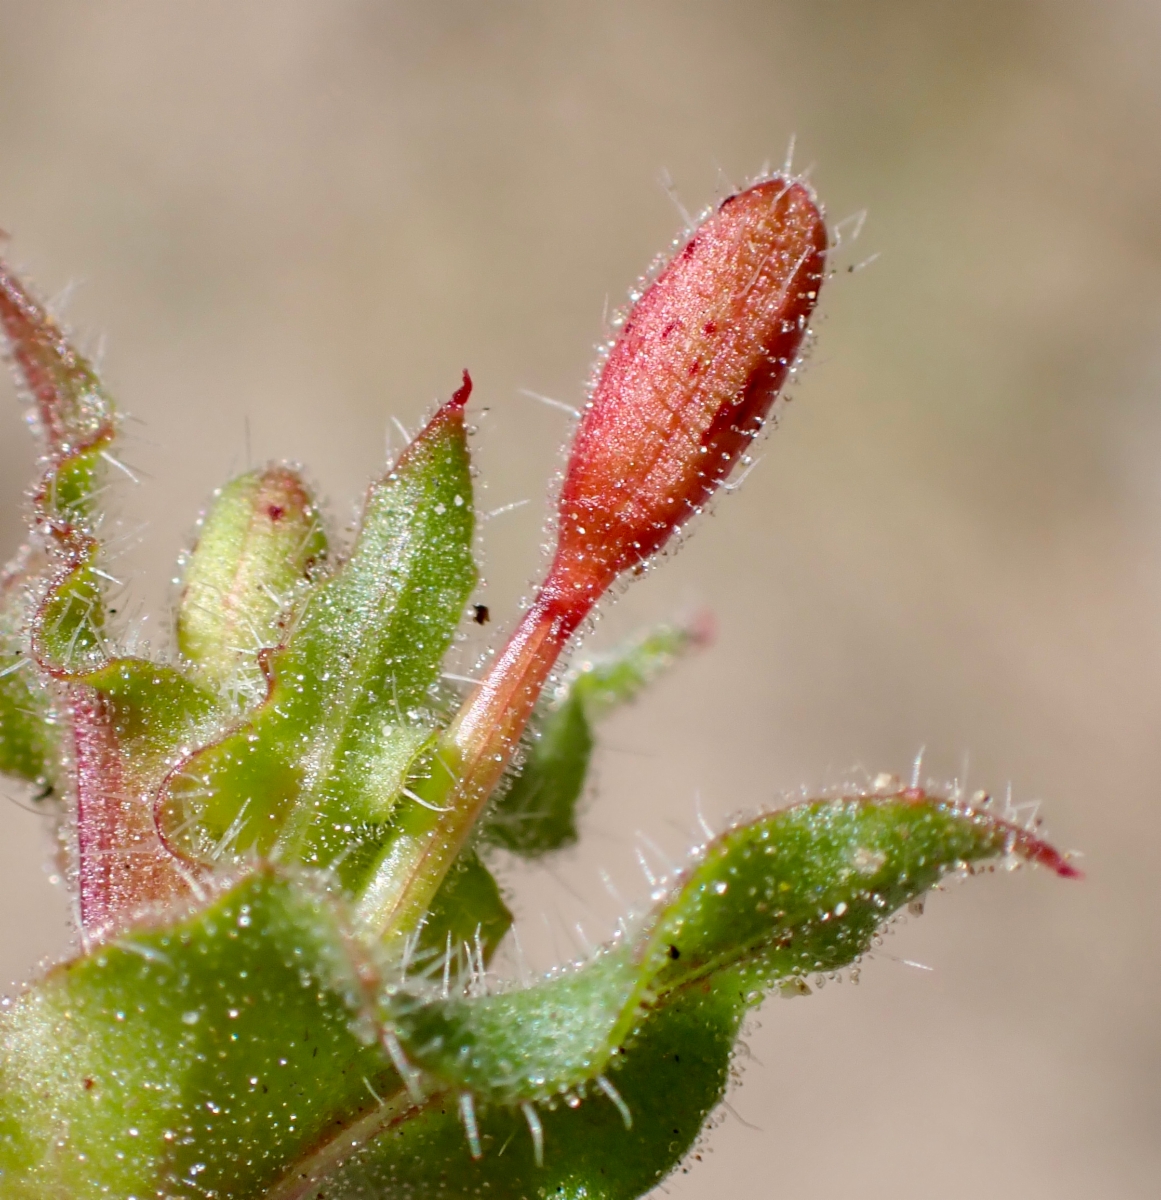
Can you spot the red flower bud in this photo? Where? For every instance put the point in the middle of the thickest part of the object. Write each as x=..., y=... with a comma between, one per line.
x=688, y=384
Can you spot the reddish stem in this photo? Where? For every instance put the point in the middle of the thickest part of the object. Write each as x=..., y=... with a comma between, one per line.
x=121, y=864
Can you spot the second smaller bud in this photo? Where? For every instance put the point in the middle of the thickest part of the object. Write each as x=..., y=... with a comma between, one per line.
x=261, y=539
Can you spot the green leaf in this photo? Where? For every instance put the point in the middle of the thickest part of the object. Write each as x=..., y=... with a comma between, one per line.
x=313, y=774
x=28, y=733
x=801, y=890
x=198, y=1059
x=537, y=814
x=155, y=710
x=76, y=422
x=258, y=545
x=72, y=411
x=131, y=719
x=676, y=1068
x=69, y=631
x=798, y=891
x=611, y=680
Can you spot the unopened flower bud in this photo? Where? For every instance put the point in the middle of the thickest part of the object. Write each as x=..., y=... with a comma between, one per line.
x=688, y=383
x=257, y=545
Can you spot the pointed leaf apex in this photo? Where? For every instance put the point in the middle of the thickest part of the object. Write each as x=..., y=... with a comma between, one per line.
x=449, y=414
x=1035, y=850
x=1021, y=841
x=460, y=395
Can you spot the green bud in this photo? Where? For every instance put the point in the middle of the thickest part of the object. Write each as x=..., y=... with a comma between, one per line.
x=260, y=541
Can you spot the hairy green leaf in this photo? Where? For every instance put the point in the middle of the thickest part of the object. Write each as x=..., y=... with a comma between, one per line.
x=314, y=772
x=466, y=922
x=76, y=422
x=155, y=710
x=638, y=1039
x=798, y=891
x=131, y=720
x=610, y=680
x=615, y=1145
x=538, y=812
x=70, y=407
x=191, y=1060
x=127, y=720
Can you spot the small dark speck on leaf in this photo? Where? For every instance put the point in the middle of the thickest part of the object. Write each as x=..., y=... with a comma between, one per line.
x=480, y=614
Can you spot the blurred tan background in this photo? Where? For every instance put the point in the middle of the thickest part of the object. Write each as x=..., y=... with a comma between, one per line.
x=292, y=220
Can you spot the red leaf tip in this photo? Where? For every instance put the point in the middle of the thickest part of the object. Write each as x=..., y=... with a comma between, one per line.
x=461, y=394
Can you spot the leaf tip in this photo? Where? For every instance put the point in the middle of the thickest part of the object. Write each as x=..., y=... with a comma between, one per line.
x=1048, y=856
x=1020, y=840
x=462, y=393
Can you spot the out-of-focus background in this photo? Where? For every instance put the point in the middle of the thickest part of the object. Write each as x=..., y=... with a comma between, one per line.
x=290, y=221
